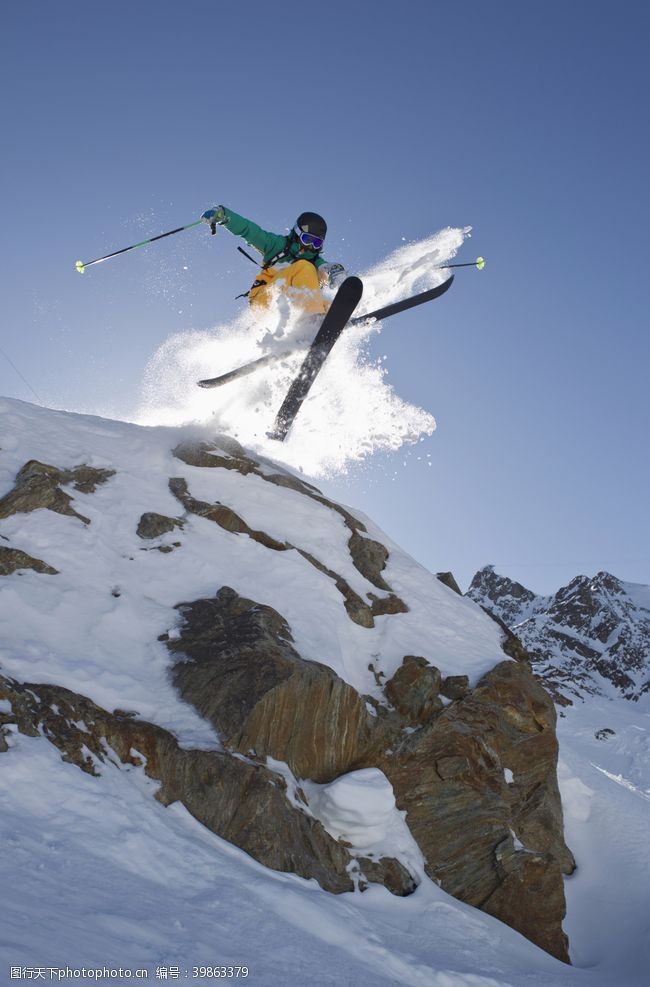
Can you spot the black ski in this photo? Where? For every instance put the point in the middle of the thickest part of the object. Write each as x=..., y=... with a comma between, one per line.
x=406, y=303
x=380, y=313
x=345, y=301
x=244, y=371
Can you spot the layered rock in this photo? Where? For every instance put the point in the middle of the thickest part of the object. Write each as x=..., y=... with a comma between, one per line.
x=38, y=487
x=450, y=778
x=240, y=670
x=240, y=800
x=444, y=748
x=13, y=560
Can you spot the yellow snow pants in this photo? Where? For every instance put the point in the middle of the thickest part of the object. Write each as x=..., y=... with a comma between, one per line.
x=298, y=280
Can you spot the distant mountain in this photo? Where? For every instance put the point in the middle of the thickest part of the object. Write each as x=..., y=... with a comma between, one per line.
x=591, y=637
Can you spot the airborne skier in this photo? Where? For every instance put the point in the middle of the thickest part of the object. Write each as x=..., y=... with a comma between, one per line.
x=293, y=263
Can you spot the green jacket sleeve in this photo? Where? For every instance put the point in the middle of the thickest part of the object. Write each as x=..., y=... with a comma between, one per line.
x=267, y=243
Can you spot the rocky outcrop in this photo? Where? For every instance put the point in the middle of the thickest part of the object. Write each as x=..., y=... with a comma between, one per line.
x=489, y=841
x=38, y=486
x=449, y=777
x=242, y=801
x=471, y=765
x=13, y=559
x=152, y=525
x=415, y=690
x=357, y=609
x=448, y=580
x=368, y=556
x=240, y=670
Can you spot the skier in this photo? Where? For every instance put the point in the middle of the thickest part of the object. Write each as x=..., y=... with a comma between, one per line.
x=292, y=262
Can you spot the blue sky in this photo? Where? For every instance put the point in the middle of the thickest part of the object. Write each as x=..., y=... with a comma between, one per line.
x=526, y=121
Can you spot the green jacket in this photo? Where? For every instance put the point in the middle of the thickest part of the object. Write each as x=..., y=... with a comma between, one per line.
x=268, y=244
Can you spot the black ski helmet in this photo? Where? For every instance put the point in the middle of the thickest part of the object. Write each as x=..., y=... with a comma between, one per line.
x=311, y=222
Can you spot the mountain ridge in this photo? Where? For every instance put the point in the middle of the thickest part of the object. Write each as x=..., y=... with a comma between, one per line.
x=591, y=637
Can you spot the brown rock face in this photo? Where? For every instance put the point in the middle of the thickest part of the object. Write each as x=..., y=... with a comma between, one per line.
x=13, y=559
x=152, y=525
x=243, y=802
x=38, y=486
x=448, y=579
x=447, y=772
x=414, y=690
x=248, y=680
x=449, y=777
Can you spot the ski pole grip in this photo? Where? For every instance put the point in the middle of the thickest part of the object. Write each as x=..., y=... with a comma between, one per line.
x=213, y=228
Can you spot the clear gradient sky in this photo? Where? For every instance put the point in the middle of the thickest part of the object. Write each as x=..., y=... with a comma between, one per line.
x=527, y=121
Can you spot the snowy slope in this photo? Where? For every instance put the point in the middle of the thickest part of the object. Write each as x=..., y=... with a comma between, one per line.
x=94, y=627
x=110, y=877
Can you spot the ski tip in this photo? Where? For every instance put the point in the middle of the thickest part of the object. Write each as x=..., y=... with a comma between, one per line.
x=80, y=266
x=480, y=263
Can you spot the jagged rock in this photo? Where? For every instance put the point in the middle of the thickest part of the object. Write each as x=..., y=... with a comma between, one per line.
x=224, y=516
x=388, y=872
x=358, y=611
x=449, y=777
x=510, y=644
x=502, y=595
x=414, y=690
x=13, y=559
x=384, y=605
x=455, y=687
x=242, y=802
x=245, y=677
x=368, y=556
x=38, y=486
x=152, y=525
x=447, y=578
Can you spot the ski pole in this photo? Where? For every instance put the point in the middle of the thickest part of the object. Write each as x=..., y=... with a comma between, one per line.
x=82, y=265
x=479, y=263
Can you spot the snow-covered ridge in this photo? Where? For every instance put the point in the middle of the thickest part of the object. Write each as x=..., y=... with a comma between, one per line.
x=94, y=626
x=592, y=636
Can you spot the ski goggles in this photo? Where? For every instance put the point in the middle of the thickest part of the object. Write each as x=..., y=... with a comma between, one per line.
x=309, y=240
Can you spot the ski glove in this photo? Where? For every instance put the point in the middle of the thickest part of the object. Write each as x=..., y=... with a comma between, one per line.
x=334, y=274
x=213, y=216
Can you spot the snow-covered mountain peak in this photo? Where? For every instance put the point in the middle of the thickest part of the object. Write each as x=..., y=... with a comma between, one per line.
x=592, y=636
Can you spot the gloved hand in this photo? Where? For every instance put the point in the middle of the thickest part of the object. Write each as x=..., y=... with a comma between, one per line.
x=214, y=216
x=334, y=274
